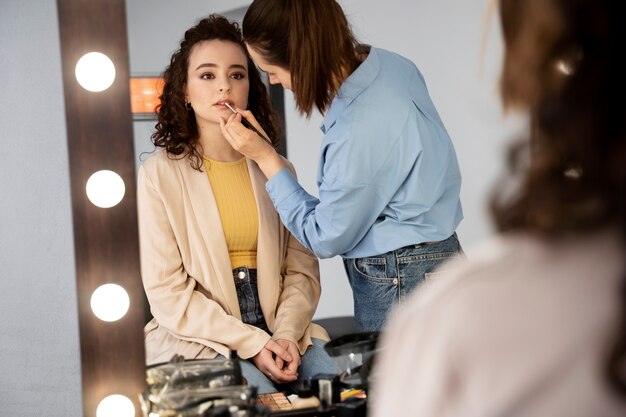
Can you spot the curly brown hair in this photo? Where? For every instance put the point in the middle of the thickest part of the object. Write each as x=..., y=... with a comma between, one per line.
x=564, y=61
x=176, y=129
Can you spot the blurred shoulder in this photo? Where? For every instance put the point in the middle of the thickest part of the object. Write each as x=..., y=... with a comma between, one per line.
x=506, y=268
x=482, y=262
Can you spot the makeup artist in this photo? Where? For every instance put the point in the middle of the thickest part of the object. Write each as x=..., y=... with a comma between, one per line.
x=388, y=177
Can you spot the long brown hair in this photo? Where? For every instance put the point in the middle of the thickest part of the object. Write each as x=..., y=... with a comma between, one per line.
x=311, y=39
x=564, y=61
x=176, y=129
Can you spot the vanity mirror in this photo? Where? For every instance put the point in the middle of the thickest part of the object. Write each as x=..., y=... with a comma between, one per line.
x=103, y=157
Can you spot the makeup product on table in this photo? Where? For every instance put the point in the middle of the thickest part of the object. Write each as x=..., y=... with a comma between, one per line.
x=248, y=124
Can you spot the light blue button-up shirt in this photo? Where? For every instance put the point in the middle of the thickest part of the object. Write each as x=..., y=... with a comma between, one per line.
x=388, y=176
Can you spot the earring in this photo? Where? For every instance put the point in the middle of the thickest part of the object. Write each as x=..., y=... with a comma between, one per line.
x=569, y=61
x=188, y=106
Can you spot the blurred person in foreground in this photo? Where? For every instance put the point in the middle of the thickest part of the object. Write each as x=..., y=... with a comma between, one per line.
x=534, y=323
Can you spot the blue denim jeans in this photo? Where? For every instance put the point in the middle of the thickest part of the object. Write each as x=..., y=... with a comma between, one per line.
x=314, y=361
x=248, y=297
x=380, y=282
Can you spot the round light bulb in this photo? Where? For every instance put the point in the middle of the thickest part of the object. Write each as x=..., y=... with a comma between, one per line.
x=105, y=188
x=115, y=405
x=110, y=302
x=95, y=71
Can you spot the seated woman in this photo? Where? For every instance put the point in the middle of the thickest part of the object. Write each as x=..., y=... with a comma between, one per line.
x=220, y=271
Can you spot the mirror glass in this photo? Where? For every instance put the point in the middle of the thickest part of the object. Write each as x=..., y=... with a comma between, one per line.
x=155, y=28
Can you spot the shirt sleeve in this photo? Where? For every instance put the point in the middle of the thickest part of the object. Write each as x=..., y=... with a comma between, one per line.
x=370, y=174
x=330, y=225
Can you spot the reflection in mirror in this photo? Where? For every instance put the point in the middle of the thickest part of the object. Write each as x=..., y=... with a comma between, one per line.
x=220, y=270
x=151, y=44
x=155, y=28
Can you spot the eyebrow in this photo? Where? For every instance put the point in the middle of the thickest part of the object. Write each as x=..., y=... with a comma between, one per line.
x=209, y=65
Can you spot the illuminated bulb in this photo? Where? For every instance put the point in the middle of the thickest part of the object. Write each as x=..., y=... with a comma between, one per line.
x=105, y=188
x=95, y=71
x=115, y=405
x=573, y=173
x=110, y=302
x=566, y=67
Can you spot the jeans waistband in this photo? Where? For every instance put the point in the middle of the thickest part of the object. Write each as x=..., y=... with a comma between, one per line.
x=418, y=252
x=244, y=273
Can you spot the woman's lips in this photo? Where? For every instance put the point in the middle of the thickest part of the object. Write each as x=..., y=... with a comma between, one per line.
x=221, y=103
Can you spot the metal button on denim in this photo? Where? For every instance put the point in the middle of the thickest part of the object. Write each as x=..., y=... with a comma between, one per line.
x=241, y=275
x=395, y=281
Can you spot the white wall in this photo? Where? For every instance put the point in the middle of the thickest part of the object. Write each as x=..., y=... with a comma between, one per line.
x=39, y=352
x=444, y=38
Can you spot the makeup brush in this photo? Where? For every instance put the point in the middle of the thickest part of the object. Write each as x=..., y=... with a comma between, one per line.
x=248, y=124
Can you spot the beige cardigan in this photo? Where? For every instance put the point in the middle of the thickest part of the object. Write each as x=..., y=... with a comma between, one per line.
x=187, y=275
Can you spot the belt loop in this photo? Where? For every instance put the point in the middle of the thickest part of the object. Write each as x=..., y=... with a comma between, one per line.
x=391, y=264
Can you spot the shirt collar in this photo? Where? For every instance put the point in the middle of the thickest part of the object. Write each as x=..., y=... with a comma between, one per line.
x=358, y=81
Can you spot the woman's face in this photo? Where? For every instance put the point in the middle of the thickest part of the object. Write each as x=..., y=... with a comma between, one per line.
x=276, y=74
x=217, y=73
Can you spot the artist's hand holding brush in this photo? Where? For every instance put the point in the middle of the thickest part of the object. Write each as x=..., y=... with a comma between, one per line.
x=253, y=144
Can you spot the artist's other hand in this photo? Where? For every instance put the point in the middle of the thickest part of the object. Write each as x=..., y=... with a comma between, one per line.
x=265, y=362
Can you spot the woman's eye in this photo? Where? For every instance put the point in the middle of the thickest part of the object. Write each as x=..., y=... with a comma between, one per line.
x=238, y=76
x=207, y=76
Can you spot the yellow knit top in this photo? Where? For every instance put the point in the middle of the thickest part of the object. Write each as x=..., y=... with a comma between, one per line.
x=232, y=188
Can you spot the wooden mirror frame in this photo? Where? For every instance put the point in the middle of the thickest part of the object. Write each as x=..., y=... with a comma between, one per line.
x=106, y=245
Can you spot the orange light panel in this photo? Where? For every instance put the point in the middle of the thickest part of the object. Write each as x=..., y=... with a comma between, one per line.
x=144, y=94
